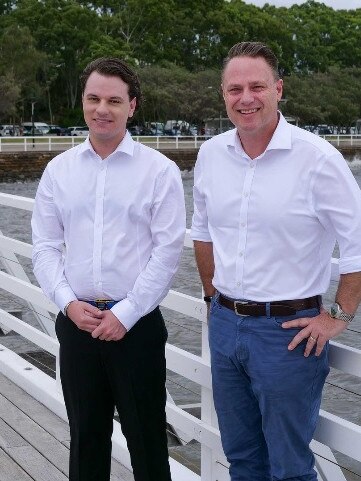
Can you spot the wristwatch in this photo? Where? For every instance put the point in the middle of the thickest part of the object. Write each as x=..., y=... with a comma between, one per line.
x=336, y=312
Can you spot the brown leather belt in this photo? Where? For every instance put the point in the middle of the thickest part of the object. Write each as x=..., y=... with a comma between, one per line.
x=277, y=308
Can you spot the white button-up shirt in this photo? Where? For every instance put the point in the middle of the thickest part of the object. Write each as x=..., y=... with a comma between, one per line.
x=274, y=220
x=109, y=229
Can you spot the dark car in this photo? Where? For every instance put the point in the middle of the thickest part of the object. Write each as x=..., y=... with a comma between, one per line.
x=56, y=130
x=33, y=132
x=324, y=131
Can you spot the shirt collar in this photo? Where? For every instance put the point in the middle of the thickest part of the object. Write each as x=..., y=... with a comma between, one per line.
x=126, y=146
x=281, y=138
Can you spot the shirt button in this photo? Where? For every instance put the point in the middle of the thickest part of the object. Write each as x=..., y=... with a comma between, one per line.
x=240, y=254
x=238, y=284
x=243, y=224
x=246, y=194
x=251, y=166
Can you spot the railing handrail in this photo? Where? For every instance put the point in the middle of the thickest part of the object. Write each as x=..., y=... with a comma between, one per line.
x=54, y=143
x=332, y=430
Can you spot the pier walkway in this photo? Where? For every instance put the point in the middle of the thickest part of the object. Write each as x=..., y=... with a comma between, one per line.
x=34, y=442
x=34, y=437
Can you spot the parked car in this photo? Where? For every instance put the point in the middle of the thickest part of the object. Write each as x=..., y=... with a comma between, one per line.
x=323, y=130
x=28, y=127
x=79, y=131
x=9, y=130
x=57, y=130
x=32, y=133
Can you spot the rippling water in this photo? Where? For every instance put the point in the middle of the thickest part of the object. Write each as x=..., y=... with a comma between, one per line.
x=341, y=394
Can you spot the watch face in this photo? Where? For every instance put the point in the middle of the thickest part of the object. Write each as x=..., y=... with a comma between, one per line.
x=334, y=309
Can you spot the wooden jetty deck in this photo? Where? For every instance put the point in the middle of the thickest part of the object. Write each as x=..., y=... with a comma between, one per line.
x=34, y=442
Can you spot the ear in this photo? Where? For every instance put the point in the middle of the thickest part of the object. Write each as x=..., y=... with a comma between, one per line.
x=222, y=92
x=279, y=88
x=132, y=106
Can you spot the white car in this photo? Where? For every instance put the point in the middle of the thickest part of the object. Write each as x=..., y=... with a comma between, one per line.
x=79, y=131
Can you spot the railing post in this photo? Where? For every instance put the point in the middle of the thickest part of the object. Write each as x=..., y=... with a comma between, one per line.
x=176, y=142
x=57, y=374
x=209, y=471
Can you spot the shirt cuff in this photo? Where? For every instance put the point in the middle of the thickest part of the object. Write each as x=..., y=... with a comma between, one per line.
x=347, y=265
x=200, y=235
x=63, y=296
x=126, y=313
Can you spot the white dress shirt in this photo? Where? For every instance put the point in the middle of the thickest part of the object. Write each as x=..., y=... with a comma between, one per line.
x=109, y=229
x=274, y=220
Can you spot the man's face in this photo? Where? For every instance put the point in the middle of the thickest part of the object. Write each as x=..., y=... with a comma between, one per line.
x=107, y=107
x=251, y=95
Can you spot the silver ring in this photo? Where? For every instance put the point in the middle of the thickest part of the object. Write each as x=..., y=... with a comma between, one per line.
x=312, y=339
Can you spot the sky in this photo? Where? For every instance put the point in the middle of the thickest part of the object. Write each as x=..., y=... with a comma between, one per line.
x=336, y=4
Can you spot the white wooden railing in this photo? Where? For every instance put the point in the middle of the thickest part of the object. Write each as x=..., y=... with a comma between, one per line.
x=59, y=143
x=332, y=432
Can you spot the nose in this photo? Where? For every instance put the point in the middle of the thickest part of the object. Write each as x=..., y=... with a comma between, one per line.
x=247, y=96
x=102, y=108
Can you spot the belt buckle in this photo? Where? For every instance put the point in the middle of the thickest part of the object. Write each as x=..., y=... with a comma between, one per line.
x=101, y=304
x=236, y=303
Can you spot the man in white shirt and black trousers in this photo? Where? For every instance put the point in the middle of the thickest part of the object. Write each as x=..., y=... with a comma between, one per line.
x=108, y=230
x=270, y=201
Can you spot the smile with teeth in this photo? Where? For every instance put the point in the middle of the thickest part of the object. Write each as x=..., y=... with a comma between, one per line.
x=248, y=111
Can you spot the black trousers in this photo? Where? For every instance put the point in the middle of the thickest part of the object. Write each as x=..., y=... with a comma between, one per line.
x=130, y=374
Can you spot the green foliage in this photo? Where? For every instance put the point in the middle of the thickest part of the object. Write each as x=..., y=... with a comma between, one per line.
x=9, y=94
x=178, y=48
x=324, y=98
x=172, y=92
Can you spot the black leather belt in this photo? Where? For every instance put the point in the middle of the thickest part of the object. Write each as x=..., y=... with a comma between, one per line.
x=277, y=308
x=101, y=304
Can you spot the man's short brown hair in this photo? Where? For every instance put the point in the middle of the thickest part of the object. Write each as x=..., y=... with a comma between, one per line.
x=253, y=49
x=114, y=67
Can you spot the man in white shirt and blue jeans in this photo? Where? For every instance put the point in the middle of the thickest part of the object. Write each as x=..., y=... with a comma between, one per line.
x=108, y=229
x=270, y=200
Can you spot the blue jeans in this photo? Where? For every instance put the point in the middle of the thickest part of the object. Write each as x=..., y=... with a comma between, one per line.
x=266, y=397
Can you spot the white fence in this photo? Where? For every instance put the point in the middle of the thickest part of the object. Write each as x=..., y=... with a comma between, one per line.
x=332, y=432
x=59, y=144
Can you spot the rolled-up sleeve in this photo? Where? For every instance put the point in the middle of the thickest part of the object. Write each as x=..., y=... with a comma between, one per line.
x=337, y=201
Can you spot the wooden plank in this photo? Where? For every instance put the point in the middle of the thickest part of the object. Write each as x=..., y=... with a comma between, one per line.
x=120, y=472
x=9, y=437
x=49, y=447
x=10, y=471
x=35, y=410
x=27, y=421
x=33, y=463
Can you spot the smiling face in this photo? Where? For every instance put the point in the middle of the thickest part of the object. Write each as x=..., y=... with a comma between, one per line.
x=251, y=94
x=106, y=107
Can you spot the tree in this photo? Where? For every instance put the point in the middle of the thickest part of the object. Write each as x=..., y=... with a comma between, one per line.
x=9, y=94
x=324, y=98
x=20, y=65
